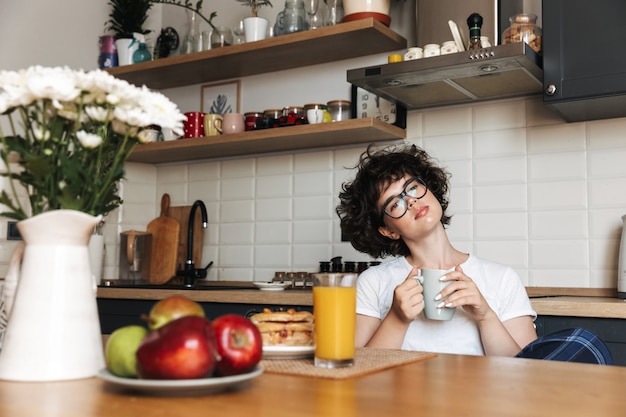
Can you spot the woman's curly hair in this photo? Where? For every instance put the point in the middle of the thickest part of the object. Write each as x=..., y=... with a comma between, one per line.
x=358, y=212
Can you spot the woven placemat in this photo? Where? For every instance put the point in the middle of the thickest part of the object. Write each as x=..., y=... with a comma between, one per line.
x=366, y=361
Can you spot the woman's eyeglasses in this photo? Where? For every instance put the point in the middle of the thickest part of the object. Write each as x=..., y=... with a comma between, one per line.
x=396, y=206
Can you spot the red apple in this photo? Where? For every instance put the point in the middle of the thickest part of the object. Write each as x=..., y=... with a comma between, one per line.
x=239, y=344
x=182, y=349
x=172, y=308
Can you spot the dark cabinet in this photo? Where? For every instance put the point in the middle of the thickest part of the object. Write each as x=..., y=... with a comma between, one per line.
x=611, y=331
x=584, y=64
x=115, y=313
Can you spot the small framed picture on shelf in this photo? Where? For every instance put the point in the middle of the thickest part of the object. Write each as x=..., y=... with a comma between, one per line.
x=221, y=98
x=368, y=104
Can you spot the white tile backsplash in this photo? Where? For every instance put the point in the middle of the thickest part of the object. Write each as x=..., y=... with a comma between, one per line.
x=564, y=195
x=501, y=226
x=274, y=209
x=275, y=165
x=607, y=163
x=562, y=224
x=603, y=134
x=505, y=142
x=313, y=183
x=607, y=193
x=447, y=121
x=559, y=254
x=491, y=198
x=274, y=186
x=561, y=166
x=501, y=114
x=238, y=168
x=449, y=147
x=237, y=188
x=528, y=190
x=312, y=231
x=556, y=138
x=317, y=207
x=273, y=232
x=237, y=211
x=236, y=233
x=506, y=169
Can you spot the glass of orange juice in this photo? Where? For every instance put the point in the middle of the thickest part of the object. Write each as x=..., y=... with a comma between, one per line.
x=334, y=309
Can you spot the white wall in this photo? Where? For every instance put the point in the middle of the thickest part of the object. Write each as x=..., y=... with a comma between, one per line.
x=528, y=189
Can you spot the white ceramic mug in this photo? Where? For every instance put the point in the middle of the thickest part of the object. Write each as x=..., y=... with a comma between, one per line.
x=315, y=116
x=230, y=123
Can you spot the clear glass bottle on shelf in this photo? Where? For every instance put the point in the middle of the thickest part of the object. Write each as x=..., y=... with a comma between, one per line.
x=192, y=42
x=523, y=29
x=335, y=12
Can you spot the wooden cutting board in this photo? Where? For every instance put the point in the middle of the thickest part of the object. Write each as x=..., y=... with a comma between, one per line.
x=181, y=214
x=165, y=240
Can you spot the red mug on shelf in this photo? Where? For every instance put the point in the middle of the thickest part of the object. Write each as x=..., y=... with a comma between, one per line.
x=193, y=127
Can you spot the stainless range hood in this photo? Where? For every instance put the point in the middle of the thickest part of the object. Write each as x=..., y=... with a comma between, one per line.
x=497, y=72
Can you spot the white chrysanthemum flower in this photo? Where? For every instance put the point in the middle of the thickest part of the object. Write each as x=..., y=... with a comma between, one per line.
x=161, y=110
x=133, y=116
x=40, y=134
x=97, y=113
x=52, y=83
x=88, y=140
x=68, y=113
x=112, y=99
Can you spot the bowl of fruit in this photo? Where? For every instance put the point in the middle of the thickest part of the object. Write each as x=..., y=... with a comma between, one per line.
x=180, y=349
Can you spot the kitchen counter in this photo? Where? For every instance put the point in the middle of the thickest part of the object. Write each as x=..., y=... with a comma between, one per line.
x=243, y=296
x=570, y=306
x=598, y=305
x=446, y=385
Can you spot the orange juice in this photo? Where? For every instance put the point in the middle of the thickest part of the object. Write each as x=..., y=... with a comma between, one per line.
x=334, y=309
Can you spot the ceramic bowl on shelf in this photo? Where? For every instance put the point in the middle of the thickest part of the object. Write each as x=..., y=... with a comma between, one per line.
x=381, y=17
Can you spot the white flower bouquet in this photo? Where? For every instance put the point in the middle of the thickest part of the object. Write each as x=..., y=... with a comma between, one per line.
x=76, y=129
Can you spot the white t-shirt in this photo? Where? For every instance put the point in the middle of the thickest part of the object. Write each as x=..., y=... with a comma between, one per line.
x=500, y=285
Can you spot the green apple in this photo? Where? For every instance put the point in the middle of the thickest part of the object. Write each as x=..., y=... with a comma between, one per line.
x=120, y=350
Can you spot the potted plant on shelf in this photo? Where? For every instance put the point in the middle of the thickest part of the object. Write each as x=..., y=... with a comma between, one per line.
x=126, y=19
x=255, y=27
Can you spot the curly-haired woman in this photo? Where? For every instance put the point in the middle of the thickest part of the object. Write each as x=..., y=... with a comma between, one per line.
x=396, y=206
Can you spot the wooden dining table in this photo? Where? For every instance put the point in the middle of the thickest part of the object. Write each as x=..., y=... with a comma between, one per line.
x=438, y=385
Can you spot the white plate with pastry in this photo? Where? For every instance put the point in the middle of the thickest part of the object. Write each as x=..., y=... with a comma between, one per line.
x=271, y=286
x=288, y=352
x=286, y=334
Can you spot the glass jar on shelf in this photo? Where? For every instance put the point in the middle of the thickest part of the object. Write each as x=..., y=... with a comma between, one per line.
x=339, y=110
x=523, y=29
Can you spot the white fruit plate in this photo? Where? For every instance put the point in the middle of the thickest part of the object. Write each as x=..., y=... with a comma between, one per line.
x=288, y=352
x=203, y=385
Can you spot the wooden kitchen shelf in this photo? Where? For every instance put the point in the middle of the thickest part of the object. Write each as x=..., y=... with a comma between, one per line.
x=328, y=44
x=292, y=138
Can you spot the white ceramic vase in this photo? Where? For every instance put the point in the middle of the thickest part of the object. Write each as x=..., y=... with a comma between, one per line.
x=53, y=331
x=255, y=28
x=126, y=47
